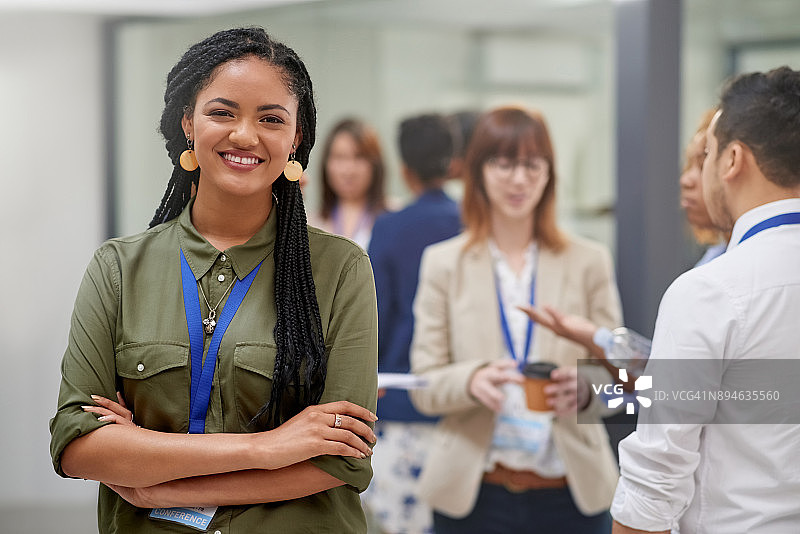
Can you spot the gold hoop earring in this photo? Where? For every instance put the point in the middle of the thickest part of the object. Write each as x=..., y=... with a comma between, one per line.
x=188, y=160
x=293, y=170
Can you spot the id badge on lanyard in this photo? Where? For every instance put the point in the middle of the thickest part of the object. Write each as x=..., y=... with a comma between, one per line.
x=202, y=376
x=196, y=516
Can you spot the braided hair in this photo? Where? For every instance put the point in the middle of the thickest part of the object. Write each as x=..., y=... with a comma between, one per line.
x=298, y=329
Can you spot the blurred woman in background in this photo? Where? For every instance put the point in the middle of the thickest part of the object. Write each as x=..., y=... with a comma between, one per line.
x=705, y=233
x=494, y=465
x=352, y=181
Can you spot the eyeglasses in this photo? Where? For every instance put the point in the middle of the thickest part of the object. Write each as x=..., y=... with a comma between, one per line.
x=503, y=168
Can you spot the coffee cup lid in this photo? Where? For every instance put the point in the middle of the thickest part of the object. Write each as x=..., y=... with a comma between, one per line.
x=538, y=369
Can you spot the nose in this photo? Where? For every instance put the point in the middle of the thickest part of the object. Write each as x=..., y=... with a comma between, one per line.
x=243, y=135
x=688, y=179
x=519, y=174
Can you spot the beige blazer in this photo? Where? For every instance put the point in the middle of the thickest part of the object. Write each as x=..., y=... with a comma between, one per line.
x=457, y=330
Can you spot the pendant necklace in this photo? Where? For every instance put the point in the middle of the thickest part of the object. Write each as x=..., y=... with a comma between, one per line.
x=209, y=323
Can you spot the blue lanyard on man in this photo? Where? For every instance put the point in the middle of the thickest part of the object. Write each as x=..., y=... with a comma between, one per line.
x=507, y=330
x=203, y=373
x=772, y=222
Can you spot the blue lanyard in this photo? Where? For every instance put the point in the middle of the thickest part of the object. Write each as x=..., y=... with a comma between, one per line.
x=507, y=331
x=772, y=222
x=203, y=374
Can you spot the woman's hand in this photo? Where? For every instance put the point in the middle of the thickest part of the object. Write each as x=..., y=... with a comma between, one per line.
x=116, y=412
x=335, y=428
x=486, y=381
x=567, y=393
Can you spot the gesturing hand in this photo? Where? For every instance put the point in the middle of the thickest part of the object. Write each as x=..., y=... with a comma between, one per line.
x=573, y=327
x=486, y=381
x=335, y=428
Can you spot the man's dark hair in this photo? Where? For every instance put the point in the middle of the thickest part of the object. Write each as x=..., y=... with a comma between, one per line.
x=300, y=359
x=762, y=111
x=426, y=147
x=463, y=124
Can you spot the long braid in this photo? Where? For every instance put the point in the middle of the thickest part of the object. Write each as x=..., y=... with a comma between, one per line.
x=299, y=325
x=300, y=359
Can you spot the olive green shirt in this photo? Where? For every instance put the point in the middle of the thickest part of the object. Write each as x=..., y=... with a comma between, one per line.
x=129, y=333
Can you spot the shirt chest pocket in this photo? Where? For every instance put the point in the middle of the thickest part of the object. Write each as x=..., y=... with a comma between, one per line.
x=155, y=383
x=254, y=365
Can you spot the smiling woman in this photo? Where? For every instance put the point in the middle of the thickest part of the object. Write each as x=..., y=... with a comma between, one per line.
x=242, y=139
x=248, y=364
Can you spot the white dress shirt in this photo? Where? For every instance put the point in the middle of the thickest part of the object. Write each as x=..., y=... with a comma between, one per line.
x=723, y=478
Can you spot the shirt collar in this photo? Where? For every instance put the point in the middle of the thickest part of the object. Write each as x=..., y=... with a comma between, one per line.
x=760, y=213
x=501, y=263
x=201, y=255
x=434, y=194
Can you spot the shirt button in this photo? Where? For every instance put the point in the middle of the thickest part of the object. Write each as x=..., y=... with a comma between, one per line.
x=223, y=258
x=221, y=278
x=217, y=532
x=140, y=367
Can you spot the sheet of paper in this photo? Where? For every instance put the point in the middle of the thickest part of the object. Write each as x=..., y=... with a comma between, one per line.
x=400, y=381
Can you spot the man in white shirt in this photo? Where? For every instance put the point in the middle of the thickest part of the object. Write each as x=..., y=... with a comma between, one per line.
x=730, y=478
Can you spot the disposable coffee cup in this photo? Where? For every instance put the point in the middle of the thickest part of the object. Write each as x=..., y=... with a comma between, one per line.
x=537, y=376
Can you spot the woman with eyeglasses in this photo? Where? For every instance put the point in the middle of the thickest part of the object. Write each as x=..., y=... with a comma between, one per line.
x=496, y=466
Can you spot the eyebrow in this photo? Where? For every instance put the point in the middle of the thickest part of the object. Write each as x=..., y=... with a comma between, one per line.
x=234, y=105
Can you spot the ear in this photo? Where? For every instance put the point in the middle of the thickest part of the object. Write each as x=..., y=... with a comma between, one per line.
x=456, y=168
x=188, y=125
x=733, y=161
x=411, y=179
x=298, y=137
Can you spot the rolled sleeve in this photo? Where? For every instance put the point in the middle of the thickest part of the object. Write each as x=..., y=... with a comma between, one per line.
x=88, y=365
x=657, y=464
x=352, y=341
x=636, y=510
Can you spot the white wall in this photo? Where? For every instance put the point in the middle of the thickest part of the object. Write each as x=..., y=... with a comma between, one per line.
x=51, y=212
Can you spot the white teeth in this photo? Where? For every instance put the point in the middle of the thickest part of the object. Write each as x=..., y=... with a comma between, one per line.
x=239, y=159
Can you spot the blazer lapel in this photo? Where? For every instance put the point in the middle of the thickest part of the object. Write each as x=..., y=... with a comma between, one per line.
x=549, y=290
x=479, y=302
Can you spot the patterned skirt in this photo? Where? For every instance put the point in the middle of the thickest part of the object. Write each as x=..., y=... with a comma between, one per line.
x=392, y=498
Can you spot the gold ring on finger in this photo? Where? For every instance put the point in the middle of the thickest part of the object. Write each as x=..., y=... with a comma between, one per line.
x=337, y=422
